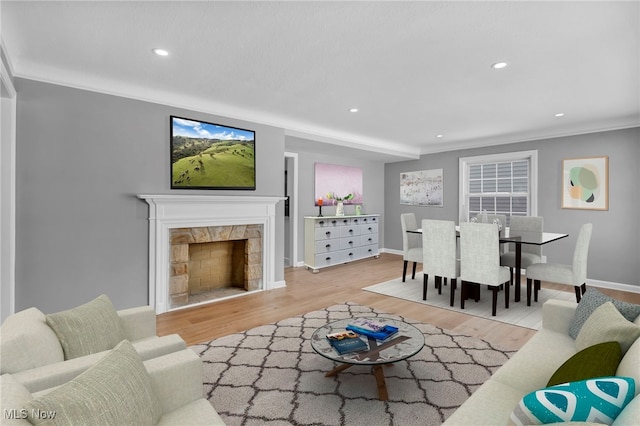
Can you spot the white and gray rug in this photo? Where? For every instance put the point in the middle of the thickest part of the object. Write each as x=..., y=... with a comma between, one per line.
x=270, y=375
x=518, y=313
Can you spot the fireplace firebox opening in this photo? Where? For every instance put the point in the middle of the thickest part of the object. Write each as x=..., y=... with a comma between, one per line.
x=208, y=263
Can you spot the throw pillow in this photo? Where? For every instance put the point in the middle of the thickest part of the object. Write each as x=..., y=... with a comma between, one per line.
x=590, y=301
x=90, y=328
x=606, y=324
x=595, y=361
x=594, y=400
x=116, y=390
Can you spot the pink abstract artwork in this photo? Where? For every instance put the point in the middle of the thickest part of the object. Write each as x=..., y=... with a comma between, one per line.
x=339, y=180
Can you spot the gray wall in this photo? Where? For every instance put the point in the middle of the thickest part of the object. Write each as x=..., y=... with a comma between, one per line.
x=81, y=159
x=614, y=254
x=373, y=182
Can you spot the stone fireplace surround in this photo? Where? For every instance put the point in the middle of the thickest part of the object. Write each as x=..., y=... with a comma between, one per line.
x=172, y=212
x=181, y=239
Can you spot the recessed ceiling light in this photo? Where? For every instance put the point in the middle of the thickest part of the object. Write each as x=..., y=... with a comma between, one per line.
x=499, y=65
x=439, y=136
x=160, y=52
x=353, y=110
x=560, y=114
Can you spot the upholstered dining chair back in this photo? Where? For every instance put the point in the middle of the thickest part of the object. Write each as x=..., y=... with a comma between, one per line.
x=479, y=254
x=528, y=224
x=490, y=217
x=503, y=222
x=411, y=244
x=581, y=253
x=439, y=248
x=480, y=261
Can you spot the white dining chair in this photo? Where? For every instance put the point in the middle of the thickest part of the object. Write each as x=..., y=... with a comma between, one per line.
x=529, y=253
x=574, y=275
x=491, y=218
x=480, y=261
x=411, y=244
x=439, y=255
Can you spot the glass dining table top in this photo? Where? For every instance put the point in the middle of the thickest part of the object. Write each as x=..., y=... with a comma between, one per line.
x=529, y=237
x=522, y=237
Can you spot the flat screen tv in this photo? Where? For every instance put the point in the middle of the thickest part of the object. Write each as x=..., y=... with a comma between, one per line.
x=211, y=156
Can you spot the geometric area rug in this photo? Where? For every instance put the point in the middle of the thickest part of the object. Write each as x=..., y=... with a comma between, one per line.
x=271, y=375
x=518, y=313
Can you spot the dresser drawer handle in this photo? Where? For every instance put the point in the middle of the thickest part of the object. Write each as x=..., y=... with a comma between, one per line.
x=327, y=258
x=327, y=246
x=321, y=222
x=327, y=233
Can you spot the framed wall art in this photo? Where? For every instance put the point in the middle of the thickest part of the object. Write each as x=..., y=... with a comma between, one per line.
x=422, y=188
x=334, y=183
x=585, y=183
x=211, y=156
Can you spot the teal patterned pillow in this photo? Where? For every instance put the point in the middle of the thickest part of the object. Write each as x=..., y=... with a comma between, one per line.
x=591, y=301
x=594, y=400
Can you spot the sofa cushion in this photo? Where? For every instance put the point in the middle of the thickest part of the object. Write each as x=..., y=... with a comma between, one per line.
x=598, y=400
x=630, y=364
x=26, y=342
x=595, y=361
x=631, y=413
x=87, y=329
x=499, y=397
x=591, y=301
x=530, y=368
x=607, y=324
x=116, y=390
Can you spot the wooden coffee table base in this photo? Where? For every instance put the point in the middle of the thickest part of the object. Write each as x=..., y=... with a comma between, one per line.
x=383, y=395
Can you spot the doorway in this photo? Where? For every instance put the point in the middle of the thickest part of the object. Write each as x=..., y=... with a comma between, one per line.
x=291, y=209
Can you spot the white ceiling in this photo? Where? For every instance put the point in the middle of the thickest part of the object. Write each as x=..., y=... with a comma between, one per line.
x=413, y=69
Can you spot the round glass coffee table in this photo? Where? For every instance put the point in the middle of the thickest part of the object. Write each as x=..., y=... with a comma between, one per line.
x=402, y=345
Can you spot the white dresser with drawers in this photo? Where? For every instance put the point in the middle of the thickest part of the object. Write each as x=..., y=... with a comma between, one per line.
x=332, y=240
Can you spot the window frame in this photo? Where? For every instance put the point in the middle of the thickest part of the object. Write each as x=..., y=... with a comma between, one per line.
x=466, y=162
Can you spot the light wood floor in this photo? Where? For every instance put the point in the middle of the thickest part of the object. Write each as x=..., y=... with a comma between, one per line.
x=306, y=291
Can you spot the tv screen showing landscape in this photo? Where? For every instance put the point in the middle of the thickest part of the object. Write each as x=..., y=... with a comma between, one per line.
x=211, y=156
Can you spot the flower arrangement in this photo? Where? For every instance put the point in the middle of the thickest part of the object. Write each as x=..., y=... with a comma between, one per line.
x=333, y=196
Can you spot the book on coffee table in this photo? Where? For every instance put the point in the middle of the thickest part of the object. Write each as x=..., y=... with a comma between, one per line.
x=347, y=341
x=371, y=328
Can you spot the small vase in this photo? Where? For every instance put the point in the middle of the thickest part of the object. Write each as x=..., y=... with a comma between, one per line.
x=340, y=209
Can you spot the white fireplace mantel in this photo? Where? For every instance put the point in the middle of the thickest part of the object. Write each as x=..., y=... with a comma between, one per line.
x=186, y=211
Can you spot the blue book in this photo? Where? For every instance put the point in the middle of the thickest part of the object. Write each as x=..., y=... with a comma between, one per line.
x=347, y=341
x=383, y=334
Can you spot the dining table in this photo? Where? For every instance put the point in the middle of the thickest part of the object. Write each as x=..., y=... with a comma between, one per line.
x=518, y=238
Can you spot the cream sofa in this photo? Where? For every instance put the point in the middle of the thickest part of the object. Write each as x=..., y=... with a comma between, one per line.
x=176, y=381
x=31, y=352
x=532, y=366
